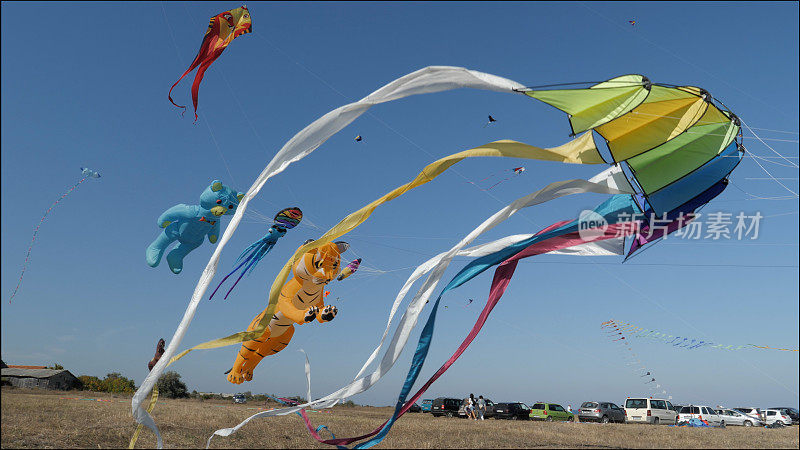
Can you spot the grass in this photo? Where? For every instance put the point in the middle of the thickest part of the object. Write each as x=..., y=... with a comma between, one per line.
x=53, y=419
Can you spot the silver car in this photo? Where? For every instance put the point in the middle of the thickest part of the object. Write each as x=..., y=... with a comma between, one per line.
x=604, y=412
x=732, y=417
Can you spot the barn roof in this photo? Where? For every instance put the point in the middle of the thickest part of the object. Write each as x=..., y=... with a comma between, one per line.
x=31, y=373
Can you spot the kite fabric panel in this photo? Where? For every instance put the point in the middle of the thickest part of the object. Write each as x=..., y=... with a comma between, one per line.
x=679, y=218
x=665, y=113
x=682, y=155
x=424, y=81
x=605, y=182
x=222, y=30
x=601, y=103
x=690, y=186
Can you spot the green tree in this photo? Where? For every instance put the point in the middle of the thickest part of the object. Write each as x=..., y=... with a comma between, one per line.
x=170, y=385
x=116, y=383
x=90, y=383
x=56, y=366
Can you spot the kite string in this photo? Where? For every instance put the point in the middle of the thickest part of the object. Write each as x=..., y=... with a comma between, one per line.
x=36, y=232
x=755, y=160
x=379, y=120
x=768, y=146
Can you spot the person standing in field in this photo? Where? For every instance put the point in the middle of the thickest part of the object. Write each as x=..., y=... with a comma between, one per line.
x=473, y=403
x=481, y=407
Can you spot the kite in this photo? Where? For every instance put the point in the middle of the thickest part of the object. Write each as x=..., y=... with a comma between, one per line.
x=491, y=121
x=86, y=174
x=358, y=138
x=677, y=141
x=645, y=124
x=349, y=269
x=678, y=341
x=632, y=22
x=157, y=356
x=515, y=171
x=286, y=219
x=301, y=301
x=222, y=30
x=189, y=224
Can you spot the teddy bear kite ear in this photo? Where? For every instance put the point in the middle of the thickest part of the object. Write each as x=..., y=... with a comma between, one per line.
x=216, y=186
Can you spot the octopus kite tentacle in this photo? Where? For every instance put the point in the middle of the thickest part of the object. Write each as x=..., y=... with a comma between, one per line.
x=286, y=219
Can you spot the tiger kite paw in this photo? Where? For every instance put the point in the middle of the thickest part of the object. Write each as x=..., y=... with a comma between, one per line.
x=311, y=314
x=329, y=313
x=236, y=377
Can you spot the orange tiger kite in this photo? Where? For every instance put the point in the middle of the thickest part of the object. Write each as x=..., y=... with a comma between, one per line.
x=301, y=301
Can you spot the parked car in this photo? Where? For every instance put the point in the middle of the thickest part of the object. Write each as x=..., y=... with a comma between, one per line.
x=601, y=412
x=791, y=412
x=426, y=405
x=755, y=413
x=550, y=412
x=415, y=408
x=700, y=412
x=239, y=398
x=512, y=411
x=773, y=415
x=733, y=417
x=445, y=406
x=650, y=410
x=462, y=410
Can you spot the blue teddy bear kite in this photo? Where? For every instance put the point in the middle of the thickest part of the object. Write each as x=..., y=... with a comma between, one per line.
x=189, y=224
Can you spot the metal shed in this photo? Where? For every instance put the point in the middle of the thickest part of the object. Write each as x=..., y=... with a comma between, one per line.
x=40, y=378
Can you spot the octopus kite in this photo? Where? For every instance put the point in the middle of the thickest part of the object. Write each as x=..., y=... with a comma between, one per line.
x=286, y=219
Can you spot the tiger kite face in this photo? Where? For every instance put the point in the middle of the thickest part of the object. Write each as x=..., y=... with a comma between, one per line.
x=323, y=263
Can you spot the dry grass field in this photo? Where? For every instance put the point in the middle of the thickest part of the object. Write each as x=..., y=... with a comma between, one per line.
x=47, y=419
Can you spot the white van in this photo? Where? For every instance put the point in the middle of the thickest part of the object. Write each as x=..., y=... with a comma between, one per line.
x=701, y=412
x=650, y=410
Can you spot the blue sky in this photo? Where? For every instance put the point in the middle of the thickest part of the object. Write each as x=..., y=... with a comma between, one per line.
x=88, y=88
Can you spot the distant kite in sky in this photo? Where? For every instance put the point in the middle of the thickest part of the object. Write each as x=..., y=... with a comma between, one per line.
x=222, y=30
x=491, y=121
x=515, y=171
x=359, y=138
x=87, y=173
x=349, y=269
x=286, y=219
x=632, y=22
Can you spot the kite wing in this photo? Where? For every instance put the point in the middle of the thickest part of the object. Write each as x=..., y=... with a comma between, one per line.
x=222, y=30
